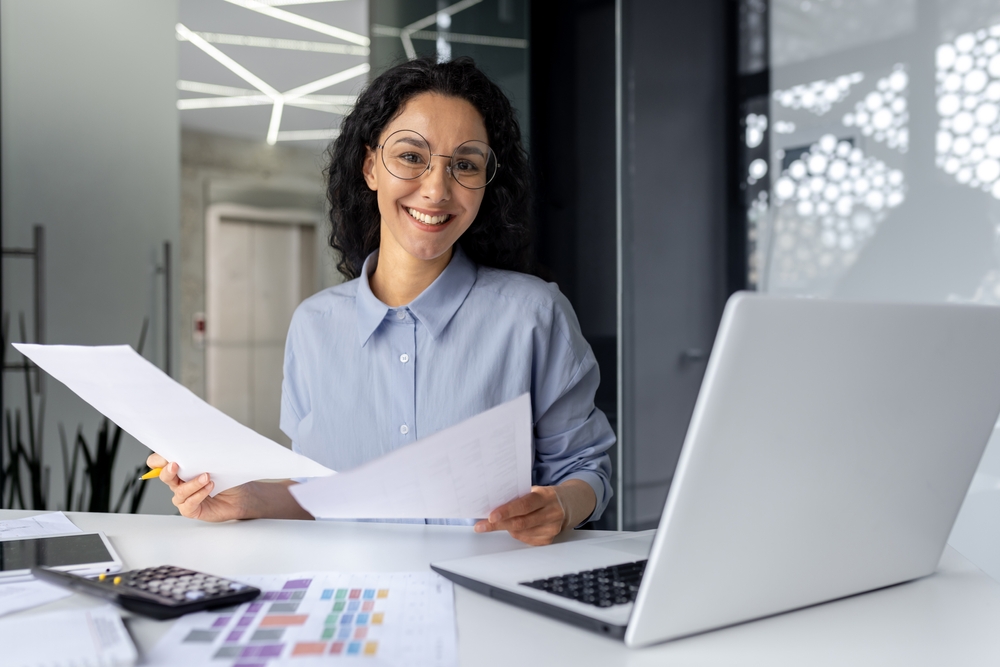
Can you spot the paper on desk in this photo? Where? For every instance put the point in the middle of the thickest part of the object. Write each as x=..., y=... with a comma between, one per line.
x=464, y=471
x=167, y=418
x=77, y=638
x=50, y=523
x=24, y=592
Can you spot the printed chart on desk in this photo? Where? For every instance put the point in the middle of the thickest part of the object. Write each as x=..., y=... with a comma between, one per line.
x=404, y=618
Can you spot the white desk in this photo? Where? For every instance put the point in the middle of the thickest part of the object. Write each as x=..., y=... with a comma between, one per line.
x=949, y=618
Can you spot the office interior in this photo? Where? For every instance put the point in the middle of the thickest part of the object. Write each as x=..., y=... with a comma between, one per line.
x=681, y=152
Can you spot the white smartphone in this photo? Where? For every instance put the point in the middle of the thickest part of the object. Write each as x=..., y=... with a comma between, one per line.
x=80, y=553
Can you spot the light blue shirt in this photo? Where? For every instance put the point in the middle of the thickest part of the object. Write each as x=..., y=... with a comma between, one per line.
x=363, y=379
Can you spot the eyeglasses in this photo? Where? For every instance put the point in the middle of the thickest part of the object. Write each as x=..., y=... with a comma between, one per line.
x=407, y=155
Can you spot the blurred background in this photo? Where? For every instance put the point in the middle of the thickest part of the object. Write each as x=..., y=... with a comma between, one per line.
x=162, y=186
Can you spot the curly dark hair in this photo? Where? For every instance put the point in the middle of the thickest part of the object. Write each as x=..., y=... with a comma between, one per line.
x=500, y=235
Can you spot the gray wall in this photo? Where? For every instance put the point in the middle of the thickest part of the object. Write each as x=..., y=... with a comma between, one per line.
x=673, y=231
x=90, y=150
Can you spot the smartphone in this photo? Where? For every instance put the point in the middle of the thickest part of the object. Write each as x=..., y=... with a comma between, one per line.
x=81, y=553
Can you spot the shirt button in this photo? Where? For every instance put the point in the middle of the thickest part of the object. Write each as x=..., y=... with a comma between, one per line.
x=400, y=315
x=404, y=358
x=404, y=429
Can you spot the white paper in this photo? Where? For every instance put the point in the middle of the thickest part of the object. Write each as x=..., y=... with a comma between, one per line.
x=50, y=523
x=464, y=471
x=21, y=595
x=167, y=418
x=401, y=618
x=78, y=638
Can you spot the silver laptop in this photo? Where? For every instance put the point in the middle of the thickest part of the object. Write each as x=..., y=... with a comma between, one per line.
x=830, y=449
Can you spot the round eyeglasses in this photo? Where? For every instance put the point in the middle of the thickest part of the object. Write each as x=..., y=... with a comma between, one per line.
x=407, y=155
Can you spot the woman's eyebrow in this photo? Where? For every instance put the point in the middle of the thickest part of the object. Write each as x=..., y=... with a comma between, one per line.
x=413, y=141
x=465, y=149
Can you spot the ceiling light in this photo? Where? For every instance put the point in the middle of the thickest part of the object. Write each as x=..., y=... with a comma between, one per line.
x=272, y=130
x=233, y=66
x=303, y=22
x=328, y=81
x=286, y=44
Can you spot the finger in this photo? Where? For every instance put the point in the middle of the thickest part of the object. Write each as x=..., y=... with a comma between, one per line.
x=541, y=517
x=192, y=506
x=154, y=460
x=170, y=477
x=187, y=489
x=523, y=505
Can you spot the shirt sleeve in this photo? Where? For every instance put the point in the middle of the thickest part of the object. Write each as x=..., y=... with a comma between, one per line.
x=571, y=435
x=294, y=398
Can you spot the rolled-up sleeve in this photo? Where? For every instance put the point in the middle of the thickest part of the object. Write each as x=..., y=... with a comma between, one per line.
x=572, y=436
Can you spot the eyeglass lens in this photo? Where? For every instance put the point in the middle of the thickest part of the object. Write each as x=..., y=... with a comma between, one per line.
x=407, y=155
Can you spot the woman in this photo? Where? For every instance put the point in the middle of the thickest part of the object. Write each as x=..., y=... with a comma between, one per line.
x=428, y=187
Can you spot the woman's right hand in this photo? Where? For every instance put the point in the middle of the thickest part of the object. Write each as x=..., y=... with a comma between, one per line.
x=192, y=498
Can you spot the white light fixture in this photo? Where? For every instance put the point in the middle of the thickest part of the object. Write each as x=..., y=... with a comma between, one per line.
x=308, y=135
x=272, y=130
x=303, y=22
x=230, y=64
x=285, y=44
x=326, y=82
x=406, y=33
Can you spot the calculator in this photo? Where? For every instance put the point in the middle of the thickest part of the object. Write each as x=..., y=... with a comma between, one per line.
x=158, y=592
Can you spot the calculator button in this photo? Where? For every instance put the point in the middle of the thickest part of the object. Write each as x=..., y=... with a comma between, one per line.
x=194, y=595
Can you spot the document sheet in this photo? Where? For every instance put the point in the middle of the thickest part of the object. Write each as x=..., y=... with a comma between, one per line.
x=313, y=618
x=24, y=591
x=464, y=471
x=167, y=418
x=77, y=638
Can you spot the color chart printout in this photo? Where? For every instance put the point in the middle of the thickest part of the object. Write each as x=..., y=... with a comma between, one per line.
x=403, y=618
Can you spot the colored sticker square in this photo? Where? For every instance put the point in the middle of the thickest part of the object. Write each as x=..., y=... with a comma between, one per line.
x=344, y=632
x=267, y=635
x=234, y=636
x=309, y=648
x=244, y=622
x=269, y=595
x=271, y=650
x=347, y=619
x=284, y=595
x=368, y=605
x=362, y=619
x=249, y=651
x=283, y=608
x=353, y=605
x=328, y=633
x=327, y=594
x=338, y=606
x=282, y=621
x=298, y=595
x=337, y=648
x=296, y=584
x=353, y=648
x=355, y=593
x=371, y=648
x=360, y=633
x=377, y=618
x=331, y=619
x=222, y=621
x=227, y=652
x=201, y=636
x=383, y=593
x=369, y=594
x=255, y=607
x=341, y=593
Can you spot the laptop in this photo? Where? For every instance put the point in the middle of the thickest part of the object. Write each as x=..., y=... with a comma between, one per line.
x=829, y=451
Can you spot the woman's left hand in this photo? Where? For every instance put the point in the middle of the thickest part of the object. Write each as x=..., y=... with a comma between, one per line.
x=538, y=517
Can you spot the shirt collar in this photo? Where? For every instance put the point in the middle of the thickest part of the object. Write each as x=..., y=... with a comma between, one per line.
x=436, y=305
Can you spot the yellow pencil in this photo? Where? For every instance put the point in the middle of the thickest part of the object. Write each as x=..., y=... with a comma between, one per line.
x=152, y=474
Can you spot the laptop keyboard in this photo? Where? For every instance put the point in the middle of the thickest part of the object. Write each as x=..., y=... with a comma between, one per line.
x=603, y=587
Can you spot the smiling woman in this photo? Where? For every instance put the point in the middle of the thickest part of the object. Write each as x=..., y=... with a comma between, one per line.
x=440, y=321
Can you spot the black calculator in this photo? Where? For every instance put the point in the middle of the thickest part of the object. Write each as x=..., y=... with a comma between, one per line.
x=158, y=592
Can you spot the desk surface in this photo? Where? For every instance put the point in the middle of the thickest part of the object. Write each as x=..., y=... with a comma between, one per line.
x=949, y=618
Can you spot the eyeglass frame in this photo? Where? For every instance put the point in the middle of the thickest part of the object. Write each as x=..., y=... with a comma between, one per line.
x=451, y=160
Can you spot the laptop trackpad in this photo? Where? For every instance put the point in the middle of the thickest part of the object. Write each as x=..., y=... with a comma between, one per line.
x=636, y=546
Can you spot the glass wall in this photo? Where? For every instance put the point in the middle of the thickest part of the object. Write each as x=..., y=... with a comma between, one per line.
x=879, y=172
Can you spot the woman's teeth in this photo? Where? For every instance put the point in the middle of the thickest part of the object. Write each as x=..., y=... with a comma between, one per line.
x=428, y=219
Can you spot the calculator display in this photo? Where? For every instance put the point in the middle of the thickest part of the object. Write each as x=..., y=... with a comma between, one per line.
x=54, y=551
